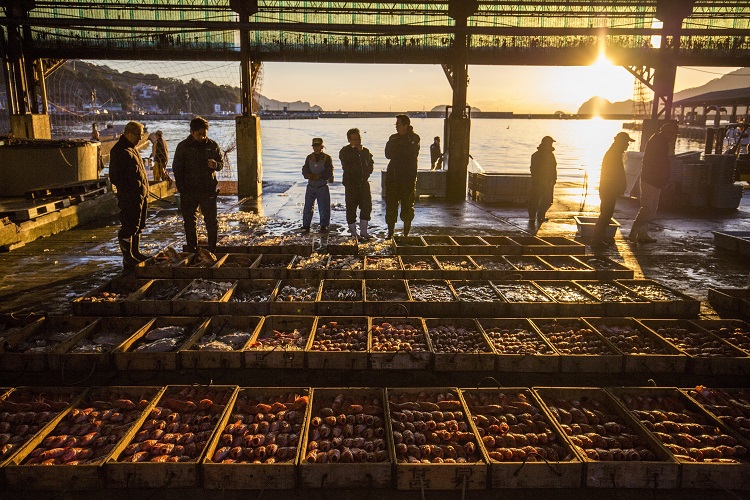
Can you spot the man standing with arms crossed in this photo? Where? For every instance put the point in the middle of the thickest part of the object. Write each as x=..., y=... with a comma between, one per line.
x=357, y=164
x=401, y=176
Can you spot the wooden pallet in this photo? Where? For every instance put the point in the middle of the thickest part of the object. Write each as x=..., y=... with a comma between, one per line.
x=68, y=189
x=22, y=210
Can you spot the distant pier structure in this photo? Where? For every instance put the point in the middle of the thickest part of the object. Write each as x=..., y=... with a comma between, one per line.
x=649, y=38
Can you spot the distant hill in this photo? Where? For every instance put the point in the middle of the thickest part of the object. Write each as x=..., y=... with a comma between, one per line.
x=735, y=80
x=274, y=105
x=440, y=108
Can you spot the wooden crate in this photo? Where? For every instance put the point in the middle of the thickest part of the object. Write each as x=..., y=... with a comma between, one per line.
x=296, y=307
x=345, y=267
x=339, y=360
x=193, y=307
x=94, y=302
x=606, y=268
x=160, y=265
x=564, y=246
x=531, y=245
x=343, y=305
x=235, y=266
x=383, y=267
x=263, y=290
x=263, y=352
x=279, y=475
x=700, y=362
x=344, y=245
x=472, y=245
x=402, y=359
x=525, y=299
x=569, y=267
x=440, y=245
x=729, y=405
x=63, y=358
x=728, y=300
x=13, y=354
x=495, y=267
x=359, y=475
x=701, y=475
x=155, y=298
x=671, y=361
x=20, y=475
x=420, y=266
x=11, y=324
x=297, y=244
x=128, y=358
x=631, y=305
x=522, y=473
x=662, y=473
x=311, y=267
x=530, y=267
x=471, y=307
x=580, y=363
x=269, y=244
x=398, y=300
x=502, y=245
x=674, y=305
x=195, y=267
x=271, y=266
x=430, y=306
x=439, y=476
x=456, y=267
x=722, y=328
x=186, y=474
x=571, y=299
x=530, y=361
x=409, y=245
x=191, y=356
x=481, y=360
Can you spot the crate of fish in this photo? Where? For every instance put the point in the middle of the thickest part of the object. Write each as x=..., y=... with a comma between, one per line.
x=339, y=343
x=564, y=246
x=345, y=267
x=708, y=452
x=569, y=267
x=383, y=267
x=618, y=300
x=409, y=245
x=433, y=298
x=93, y=350
x=478, y=299
x=28, y=348
x=271, y=266
x=571, y=299
x=532, y=245
x=420, y=266
x=221, y=344
x=459, y=344
x=616, y=450
x=730, y=406
x=269, y=243
x=581, y=348
x=503, y=245
x=341, y=298
x=198, y=265
x=525, y=449
x=152, y=455
x=456, y=267
x=202, y=297
x=161, y=264
x=347, y=443
x=519, y=347
x=399, y=344
x=708, y=353
x=279, y=342
x=440, y=245
x=28, y=412
x=387, y=298
x=668, y=303
x=436, y=443
x=730, y=301
x=606, y=268
x=296, y=296
x=642, y=350
x=472, y=245
x=734, y=331
x=11, y=323
x=250, y=297
x=107, y=299
x=259, y=441
x=155, y=298
x=156, y=345
x=342, y=245
x=525, y=299
x=531, y=267
x=310, y=267
x=495, y=267
x=298, y=244
x=81, y=442
x=236, y=243
x=234, y=266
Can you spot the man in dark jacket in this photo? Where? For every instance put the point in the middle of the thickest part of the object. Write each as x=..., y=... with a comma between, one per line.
x=654, y=178
x=436, y=155
x=402, y=149
x=127, y=173
x=612, y=185
x=543, y=179
x=196, y=161
x=357, y=164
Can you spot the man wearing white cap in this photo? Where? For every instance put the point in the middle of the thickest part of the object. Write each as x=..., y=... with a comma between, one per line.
x=318, y=169
x=612, y=184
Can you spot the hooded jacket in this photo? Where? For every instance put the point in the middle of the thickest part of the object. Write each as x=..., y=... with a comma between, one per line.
x=544, y=165
x=403, y=151
x=126, y=170
x=190, y=166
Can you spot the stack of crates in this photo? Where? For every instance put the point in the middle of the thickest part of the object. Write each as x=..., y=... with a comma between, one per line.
x=723, y=192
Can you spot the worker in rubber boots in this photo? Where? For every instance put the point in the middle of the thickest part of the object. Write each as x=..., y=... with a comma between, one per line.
x=357, y=164
x=127, y=173
x=402, y=149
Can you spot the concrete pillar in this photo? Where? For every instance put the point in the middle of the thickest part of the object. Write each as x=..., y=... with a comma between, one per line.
x=30, y=126
x=459, y=121
x=249, y=157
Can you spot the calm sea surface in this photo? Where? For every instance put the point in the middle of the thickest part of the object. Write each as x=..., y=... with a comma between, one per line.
x=497, y=145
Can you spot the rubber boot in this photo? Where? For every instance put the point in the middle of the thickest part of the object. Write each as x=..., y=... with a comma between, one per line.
x=363, y=234
x=136, y=242
x=353, y=230
x=128, y=261
x=407, y=227
x=391, y=228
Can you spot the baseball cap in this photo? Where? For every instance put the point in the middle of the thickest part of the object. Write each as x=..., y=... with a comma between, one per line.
x=621, y=136
x=317, y=141
x=547, y=138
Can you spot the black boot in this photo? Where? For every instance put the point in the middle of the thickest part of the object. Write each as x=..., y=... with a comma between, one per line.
x=136, y=242
x=407, y=228
x=128, y=261
x=391, y=227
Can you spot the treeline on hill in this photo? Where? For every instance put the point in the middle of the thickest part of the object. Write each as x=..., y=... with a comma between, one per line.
x=72, y=87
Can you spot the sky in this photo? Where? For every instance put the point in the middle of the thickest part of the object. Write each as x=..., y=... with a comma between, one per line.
x=370, y=87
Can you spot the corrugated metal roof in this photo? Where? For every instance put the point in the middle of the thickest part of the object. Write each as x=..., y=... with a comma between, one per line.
x=739, y=97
